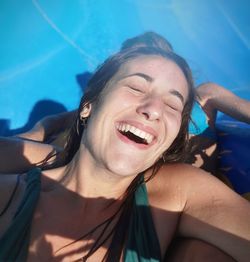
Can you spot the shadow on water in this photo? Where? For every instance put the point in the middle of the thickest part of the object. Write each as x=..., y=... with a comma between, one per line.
x=82, y=80
x=41, y=109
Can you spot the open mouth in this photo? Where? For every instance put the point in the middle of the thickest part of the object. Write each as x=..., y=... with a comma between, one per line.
x=135, y=134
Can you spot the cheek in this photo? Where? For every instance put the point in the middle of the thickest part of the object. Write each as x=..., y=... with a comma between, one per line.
x=174, y=121
x=117, y=101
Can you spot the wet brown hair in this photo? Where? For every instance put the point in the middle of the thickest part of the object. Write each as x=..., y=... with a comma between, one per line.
x=175, y=153
x=148, y=39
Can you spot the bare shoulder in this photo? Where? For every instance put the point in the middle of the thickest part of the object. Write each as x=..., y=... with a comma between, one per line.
x=181, y=174
x=210, y=210
x=167, y=198
x=12, y=188
x=169, y=183
x=184, y=183
x=184, y=175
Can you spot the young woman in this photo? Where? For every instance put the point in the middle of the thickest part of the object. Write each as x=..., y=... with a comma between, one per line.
x=49, y=134
x=113, y=199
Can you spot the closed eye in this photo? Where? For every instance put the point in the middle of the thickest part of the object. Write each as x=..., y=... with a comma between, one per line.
x=174, y=106
x=137, y=89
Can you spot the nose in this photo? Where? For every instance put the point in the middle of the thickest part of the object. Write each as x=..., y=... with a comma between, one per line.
x=151, y=109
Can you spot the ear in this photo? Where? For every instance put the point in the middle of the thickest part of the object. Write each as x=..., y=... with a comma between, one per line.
x=86, y=111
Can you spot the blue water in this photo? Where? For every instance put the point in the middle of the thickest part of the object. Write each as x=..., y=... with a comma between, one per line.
x=46, y=44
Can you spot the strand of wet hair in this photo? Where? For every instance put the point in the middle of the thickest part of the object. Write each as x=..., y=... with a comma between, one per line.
x=118, y=230
x=115, y=249
x=121, y=233
x=98, y=244
x=106, y=221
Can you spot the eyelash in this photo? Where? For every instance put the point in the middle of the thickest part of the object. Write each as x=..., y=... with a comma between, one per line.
x=175, y=108
x=139, y=90
x=136, y=89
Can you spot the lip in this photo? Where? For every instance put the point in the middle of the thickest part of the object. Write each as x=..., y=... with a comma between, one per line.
x=140, y=126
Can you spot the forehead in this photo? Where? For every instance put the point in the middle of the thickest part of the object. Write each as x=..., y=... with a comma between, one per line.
x=162, y=70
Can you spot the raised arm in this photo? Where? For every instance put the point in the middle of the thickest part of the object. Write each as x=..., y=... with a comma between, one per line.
x=213, y=97
x=215, y=214
x=18, y=155
x=47, y=129
x=26, y=150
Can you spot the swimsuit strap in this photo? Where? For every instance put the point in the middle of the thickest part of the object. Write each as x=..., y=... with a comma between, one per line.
x=15, y=241
x=11, y=196
x=142, y=243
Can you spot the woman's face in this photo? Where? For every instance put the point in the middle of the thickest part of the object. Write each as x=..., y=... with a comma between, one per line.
x=138, y=116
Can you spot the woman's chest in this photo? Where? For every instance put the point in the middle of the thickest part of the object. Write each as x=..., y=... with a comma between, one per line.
x=60, y=234
x=58, y=248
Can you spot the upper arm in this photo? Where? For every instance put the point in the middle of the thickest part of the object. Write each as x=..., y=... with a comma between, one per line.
x=213, y=97
x=215, y=214
x=50, y=126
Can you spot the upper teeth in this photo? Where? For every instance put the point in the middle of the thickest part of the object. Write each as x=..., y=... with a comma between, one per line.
x=126, y=127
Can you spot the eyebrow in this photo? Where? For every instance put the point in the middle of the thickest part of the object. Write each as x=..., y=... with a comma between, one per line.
x=146, y=77
x=150, y=79
x=177, y=94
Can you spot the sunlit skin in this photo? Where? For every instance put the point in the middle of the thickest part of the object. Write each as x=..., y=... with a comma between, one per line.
x=148, y=93
x=137, y=122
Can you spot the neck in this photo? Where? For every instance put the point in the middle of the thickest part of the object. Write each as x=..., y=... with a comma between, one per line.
x=91, y=180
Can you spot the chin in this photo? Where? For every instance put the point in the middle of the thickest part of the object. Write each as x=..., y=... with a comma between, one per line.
x=128, y=164
x=125, y=169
